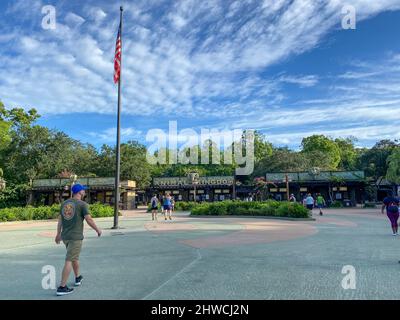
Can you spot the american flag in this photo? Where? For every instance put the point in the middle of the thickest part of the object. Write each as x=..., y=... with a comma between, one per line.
x=117, y=59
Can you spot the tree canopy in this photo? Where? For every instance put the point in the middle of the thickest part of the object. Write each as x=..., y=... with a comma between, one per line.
x=321, y=152
x=29, y=151
x=393, y=171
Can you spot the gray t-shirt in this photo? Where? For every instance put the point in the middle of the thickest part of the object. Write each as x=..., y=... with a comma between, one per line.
x=73, y=213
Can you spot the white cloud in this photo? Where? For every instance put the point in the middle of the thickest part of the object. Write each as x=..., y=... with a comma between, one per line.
x=201, y=59
x=369, y=134
x=97, y=14
x=168, y=63
x=73, y=20
x=109, y=135
x=302, y=81
x=29, y=45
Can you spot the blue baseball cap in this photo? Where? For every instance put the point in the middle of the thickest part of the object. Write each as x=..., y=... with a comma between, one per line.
x=78, y=187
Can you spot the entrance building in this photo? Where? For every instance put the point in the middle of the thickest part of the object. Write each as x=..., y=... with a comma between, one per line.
x=347, y=187
x=50, y=191
x=216, y=188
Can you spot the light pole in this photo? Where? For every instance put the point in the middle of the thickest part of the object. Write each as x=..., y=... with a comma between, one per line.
x=2, y=181
x=72, y=180
x=287, y=186
x=193, y=178
x=2, y=184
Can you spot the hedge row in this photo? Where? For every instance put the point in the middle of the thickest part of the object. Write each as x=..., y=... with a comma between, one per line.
x=97, y=210
x=251, y=208
x=267, y=208
x=336, y=204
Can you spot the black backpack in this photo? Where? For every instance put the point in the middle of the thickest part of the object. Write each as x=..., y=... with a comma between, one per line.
x=393, y=206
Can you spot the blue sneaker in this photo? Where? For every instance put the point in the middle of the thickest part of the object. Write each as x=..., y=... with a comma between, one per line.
x=62, y=291
x=78, y=281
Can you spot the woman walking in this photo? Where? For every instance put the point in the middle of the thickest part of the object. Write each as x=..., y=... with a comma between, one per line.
x=154, y=207
x=172, y=204
x=392, y=210
x=309, y=202
x=167, y=206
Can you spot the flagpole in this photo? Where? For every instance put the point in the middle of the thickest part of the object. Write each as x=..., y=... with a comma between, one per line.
x=118, y=147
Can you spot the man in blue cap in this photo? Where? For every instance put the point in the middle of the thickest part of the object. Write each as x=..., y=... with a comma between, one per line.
x=70, y=231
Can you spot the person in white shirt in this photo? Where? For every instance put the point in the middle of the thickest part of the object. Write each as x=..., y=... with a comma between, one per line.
x=310, y=202
x=154, y=207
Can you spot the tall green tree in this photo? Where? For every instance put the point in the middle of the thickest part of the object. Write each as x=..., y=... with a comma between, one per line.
x=37, y=152
x=393, y=171
x=262, y=148
x=5, y=126
x=12, y=121
x=348, y=153
x=134, y=165
x=374, y=161
x=321, y=152
x=281, y=159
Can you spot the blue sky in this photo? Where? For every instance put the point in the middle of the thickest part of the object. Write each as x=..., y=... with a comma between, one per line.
x=286, y=68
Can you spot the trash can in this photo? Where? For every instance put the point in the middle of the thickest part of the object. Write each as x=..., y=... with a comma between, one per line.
x=347, y=203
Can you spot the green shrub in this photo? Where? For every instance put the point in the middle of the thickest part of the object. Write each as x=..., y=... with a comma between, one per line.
x=240, y=211
x=250, y=208
x=48, y=212
x=369, y=205
x=292, y=210
x=336, y=204
x=256, y=208
x=8, y=214
x=218, y=208
x=268, y=209
x=273, y=203
x=98, y=210
x=201, y=209
x=185, y=206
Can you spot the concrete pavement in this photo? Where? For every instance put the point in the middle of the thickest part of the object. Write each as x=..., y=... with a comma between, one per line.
x=211, y=258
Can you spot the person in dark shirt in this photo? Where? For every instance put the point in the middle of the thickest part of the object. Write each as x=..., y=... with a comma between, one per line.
x=154, y=207
x=70, y=230
x=392, y=210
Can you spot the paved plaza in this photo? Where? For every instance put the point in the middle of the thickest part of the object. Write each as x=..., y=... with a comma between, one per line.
x=211, y=258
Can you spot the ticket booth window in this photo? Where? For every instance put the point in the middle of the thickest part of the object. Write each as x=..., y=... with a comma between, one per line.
x=109, y=197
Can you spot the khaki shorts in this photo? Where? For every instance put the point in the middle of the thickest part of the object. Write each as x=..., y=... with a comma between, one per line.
x=74, y=248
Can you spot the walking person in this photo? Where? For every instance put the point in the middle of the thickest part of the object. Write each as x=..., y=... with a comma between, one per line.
x=154, y=207
x=392, y=210
x=167, y=206
x=70, y=231
x=162, y=204
x=172, y=204
x=292, y=198
x=320, y=203
x=309, y=202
